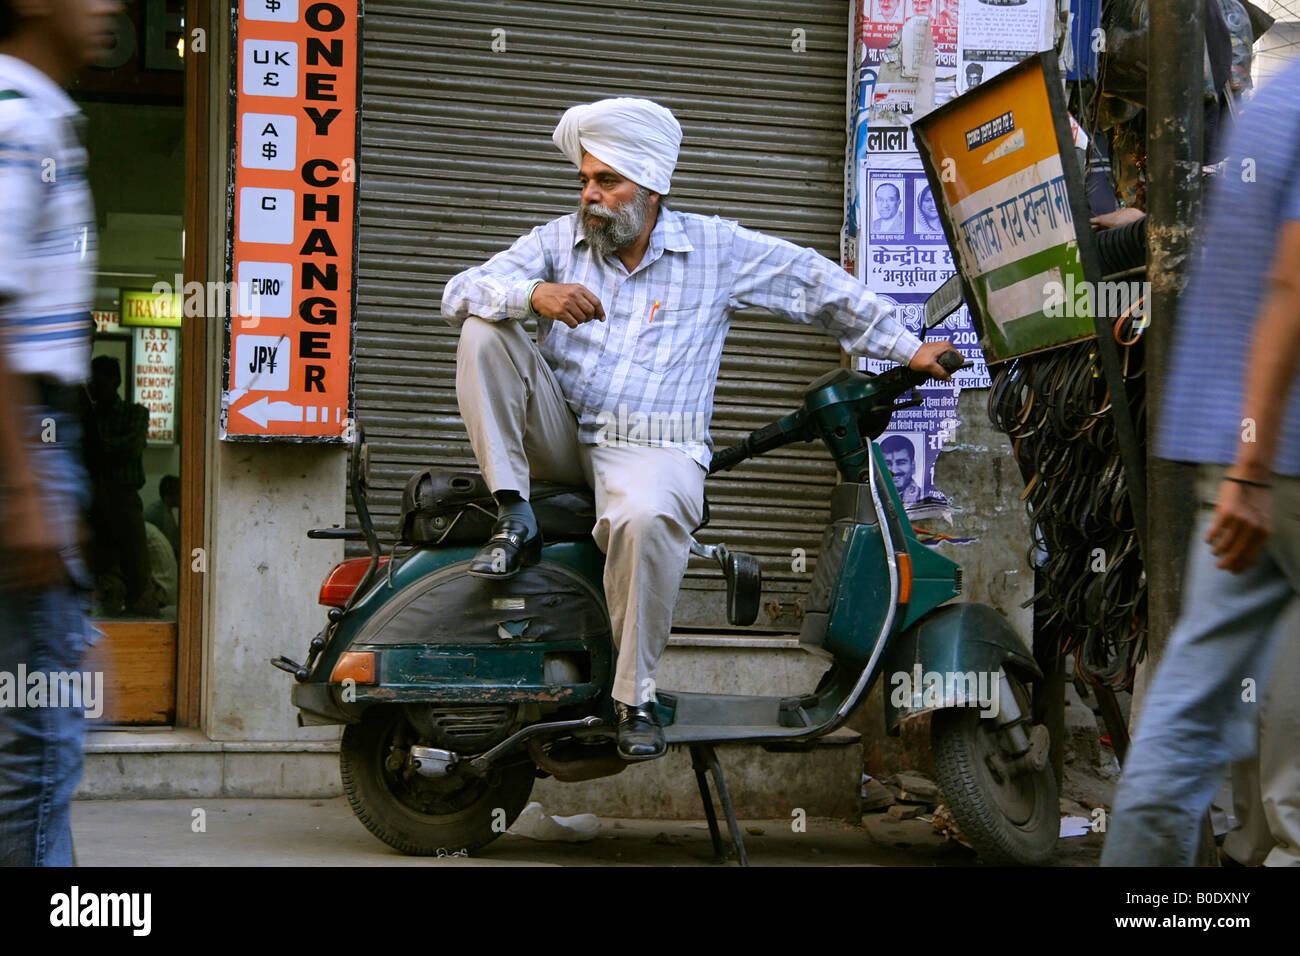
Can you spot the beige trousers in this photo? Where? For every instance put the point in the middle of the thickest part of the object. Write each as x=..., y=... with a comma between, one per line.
x=648, y=498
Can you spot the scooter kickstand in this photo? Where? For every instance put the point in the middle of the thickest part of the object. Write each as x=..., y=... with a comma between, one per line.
x=699, y=766
x=703, y=758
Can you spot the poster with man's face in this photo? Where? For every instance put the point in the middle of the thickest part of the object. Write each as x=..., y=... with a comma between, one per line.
x=938, y=11
x=995, y=35
x=910, y=465
x=882, y=21
x=887, y=11
x=902, y=269
x=887, y=216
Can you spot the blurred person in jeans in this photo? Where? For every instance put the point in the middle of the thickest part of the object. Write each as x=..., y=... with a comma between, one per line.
x=1229, y=406
x=47, y=262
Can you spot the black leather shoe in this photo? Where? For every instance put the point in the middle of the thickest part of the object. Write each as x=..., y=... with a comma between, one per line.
x=639, y=735
x=506, y=551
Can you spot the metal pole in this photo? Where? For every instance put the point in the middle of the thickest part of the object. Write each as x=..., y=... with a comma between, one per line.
x=1175, y=58
x=1175, y=41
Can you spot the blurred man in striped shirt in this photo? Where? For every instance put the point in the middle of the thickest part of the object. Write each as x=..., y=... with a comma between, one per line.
x=47, y=261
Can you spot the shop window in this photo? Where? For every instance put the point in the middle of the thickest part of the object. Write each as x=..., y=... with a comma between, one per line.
x=135, y=138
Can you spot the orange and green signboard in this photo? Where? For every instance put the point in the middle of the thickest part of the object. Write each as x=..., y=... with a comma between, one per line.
x=1001, y=157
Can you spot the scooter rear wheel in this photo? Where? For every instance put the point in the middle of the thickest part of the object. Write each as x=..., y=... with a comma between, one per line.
x=1012, y=821
x=423, y=816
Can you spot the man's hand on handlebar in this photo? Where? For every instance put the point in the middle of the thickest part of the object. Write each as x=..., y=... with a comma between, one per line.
x=926, y=359
x=570, y=303
x=1120, y=217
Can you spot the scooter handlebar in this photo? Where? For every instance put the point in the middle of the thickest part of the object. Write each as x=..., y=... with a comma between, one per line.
x=794, y=427
x=730, y=457
x=791, y=428
x=951, y=361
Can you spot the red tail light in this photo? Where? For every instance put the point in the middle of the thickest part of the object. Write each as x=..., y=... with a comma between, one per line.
x=339, y=584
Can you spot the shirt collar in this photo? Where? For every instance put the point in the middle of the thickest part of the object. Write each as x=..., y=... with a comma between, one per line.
x=33, y=83
x=674, y=233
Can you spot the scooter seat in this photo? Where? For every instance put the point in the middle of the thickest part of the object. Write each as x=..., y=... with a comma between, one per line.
x=445, y=506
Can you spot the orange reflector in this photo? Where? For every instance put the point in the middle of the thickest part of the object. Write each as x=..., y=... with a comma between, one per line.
x=358, y=665
x=904, y=577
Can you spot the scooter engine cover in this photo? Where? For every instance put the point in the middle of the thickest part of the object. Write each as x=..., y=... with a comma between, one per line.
x=464, y=728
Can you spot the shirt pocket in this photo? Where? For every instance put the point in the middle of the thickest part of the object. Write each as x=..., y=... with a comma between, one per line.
x=667, y=340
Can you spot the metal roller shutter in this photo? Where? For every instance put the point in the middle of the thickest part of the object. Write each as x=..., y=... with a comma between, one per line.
x=457, y=162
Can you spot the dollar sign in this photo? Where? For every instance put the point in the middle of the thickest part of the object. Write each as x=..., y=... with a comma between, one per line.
x=272, y=5
x=268, y=149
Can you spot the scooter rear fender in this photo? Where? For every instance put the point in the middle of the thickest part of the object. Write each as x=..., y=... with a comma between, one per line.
x=945, y=657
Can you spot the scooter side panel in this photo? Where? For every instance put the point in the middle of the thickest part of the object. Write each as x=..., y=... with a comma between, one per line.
x=439, y=634
x=935, y=663
x=861, y=600
x=934, y=581
x=848, y=599
x=934, y=576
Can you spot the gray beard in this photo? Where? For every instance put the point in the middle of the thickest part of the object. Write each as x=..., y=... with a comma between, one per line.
x=618, y=229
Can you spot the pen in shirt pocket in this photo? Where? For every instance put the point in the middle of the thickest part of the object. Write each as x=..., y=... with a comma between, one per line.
x=653, y=309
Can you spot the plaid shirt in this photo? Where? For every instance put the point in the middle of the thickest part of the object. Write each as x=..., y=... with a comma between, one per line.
x=648, y=372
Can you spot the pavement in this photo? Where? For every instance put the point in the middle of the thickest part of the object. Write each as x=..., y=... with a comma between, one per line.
x=285, y=832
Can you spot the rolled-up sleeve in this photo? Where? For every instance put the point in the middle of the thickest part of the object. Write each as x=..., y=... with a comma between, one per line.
x=498, y=289
x=801, y=284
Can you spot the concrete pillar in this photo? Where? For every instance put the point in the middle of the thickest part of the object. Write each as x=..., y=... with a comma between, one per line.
x=264, y=577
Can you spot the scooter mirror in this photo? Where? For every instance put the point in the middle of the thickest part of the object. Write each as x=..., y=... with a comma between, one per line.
x=744, y=585
x=944, y=301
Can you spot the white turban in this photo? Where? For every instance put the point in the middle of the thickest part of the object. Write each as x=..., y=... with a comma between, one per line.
x=636, y=138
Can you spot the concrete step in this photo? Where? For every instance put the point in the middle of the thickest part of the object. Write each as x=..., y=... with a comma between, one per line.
x=167, y=763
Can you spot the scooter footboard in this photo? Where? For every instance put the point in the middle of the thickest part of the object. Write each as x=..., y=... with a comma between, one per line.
x=950, y=658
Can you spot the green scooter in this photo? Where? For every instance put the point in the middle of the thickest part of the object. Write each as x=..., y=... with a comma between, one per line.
x=457, y=692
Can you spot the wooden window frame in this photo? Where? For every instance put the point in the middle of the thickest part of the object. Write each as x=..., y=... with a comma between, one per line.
x=194, y=371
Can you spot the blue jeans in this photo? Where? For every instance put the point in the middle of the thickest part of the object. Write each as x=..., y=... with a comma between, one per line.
x=1201, y=707
x=44, y=631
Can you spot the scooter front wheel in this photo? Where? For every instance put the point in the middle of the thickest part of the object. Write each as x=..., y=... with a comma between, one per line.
x=423, y=816
x=1010, y=818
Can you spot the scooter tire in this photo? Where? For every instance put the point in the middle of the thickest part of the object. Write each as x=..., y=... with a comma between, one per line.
x=387, y=806
x=959, y=739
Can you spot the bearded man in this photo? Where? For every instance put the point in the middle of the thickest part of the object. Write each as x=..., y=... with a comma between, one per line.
x=633, y=302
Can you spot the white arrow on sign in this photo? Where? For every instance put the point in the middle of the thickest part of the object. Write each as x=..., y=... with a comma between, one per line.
x=264, y=410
